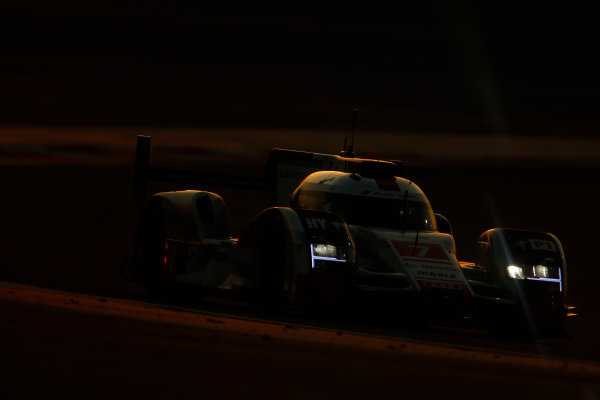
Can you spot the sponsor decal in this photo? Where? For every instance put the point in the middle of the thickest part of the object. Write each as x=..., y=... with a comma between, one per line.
x=431, y=266
x=422, y=250
x=423, y=270
x=538, y=244
x=429, y=284
x=316, y=223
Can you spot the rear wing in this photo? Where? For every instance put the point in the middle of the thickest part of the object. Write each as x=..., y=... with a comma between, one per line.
x=284, y=171
x=143, y=173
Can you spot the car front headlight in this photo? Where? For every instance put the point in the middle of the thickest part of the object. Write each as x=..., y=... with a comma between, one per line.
x=325, y=250
x=322, y=253
x=515, y=272
x=541, y=271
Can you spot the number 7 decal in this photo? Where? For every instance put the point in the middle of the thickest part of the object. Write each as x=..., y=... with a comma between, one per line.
x=419, y=251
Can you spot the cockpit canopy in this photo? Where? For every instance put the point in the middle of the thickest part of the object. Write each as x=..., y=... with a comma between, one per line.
x=396, y=204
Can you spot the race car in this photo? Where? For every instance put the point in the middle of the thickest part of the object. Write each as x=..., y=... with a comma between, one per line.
x=345, y=232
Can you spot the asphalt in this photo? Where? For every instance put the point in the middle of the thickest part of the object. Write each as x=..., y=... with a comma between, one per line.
x=68, y=345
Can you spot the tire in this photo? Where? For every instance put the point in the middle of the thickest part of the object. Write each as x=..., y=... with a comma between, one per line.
x=512, y=325
x=272, y=264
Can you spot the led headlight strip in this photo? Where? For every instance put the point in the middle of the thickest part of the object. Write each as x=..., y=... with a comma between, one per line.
x=559, y=280
x=517, y=272
x=323, y=249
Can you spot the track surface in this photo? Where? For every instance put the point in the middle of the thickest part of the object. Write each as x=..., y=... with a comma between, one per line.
x=191, y=81
x=65, y=345
x=69, y=227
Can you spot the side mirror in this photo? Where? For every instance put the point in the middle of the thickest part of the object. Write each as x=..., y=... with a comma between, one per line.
x=443, y=224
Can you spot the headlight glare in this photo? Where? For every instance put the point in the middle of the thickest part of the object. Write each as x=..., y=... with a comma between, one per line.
x=541, y=271
x=515, y=272
x=322, y=253
x=325, y=250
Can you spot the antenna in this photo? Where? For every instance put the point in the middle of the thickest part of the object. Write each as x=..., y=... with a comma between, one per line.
x=349, y=151
x=351, y=147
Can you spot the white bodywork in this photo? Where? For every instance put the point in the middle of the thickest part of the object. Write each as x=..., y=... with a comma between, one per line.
x=351, y=223
x=427, y=258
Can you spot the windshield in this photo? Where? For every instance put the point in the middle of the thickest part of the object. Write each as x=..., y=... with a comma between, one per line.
x=397, y=214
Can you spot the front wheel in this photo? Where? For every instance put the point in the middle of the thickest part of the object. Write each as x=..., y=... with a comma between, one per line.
x=272, y=264
x=510, y=324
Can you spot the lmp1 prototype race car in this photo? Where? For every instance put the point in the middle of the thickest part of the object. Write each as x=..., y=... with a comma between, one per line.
x=344, y=232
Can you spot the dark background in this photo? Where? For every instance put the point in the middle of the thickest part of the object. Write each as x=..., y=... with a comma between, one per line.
x=511, y=70
x=457, y=67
